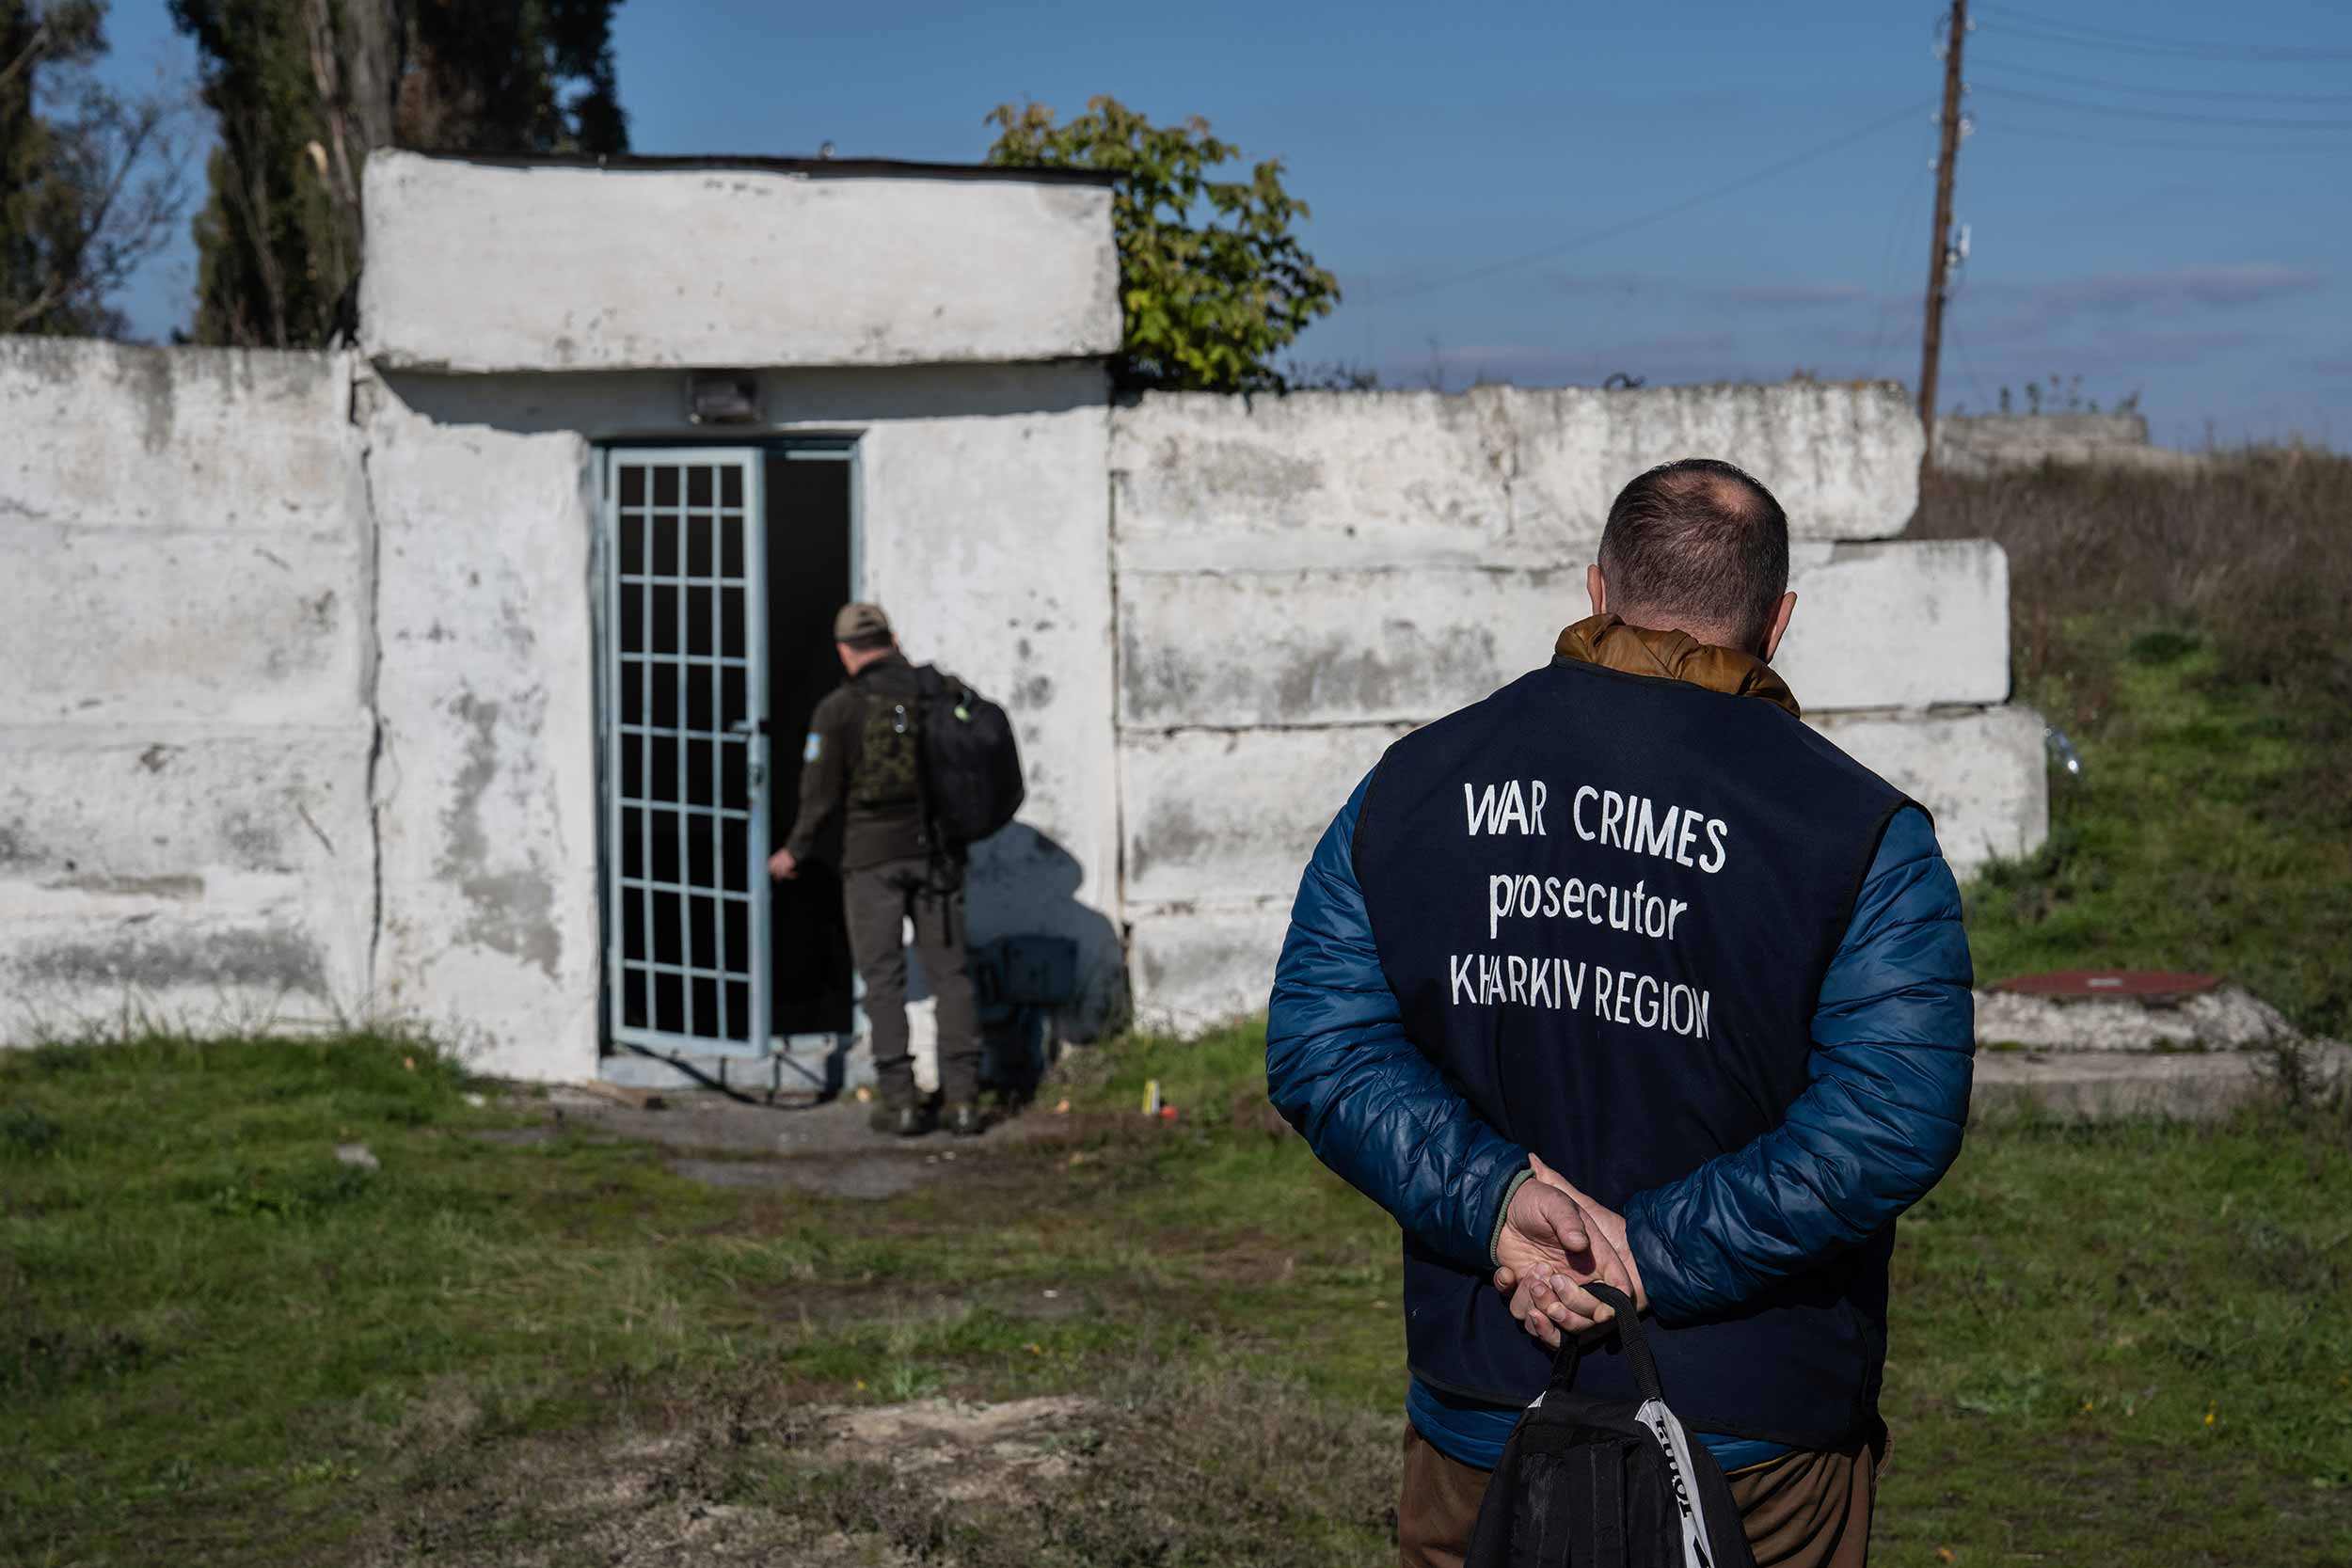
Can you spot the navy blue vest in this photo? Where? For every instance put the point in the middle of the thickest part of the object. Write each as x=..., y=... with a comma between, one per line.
x=1606, y=904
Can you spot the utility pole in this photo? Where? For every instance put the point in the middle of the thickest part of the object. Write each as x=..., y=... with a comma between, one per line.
x=1940, y=253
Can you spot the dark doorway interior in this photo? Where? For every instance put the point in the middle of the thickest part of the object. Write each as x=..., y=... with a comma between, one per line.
x=809, y=544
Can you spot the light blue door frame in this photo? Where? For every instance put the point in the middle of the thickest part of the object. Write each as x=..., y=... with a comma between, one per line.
x=685, y=730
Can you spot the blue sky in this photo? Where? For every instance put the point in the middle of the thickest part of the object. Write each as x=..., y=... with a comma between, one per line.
x=1468, y=165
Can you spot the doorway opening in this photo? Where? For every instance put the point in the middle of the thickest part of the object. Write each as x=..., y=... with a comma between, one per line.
x=722, y=566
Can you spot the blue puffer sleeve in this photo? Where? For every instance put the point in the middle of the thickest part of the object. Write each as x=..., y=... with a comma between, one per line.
x=1894, y=1038
x=1371, y=1105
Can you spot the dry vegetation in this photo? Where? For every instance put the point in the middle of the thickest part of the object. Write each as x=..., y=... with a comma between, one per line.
x=2192, y=632
x=2252, y=551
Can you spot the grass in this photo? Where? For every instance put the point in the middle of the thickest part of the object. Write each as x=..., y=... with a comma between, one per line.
x=218, y=1343
x=2211, y=830
x=2192, y=635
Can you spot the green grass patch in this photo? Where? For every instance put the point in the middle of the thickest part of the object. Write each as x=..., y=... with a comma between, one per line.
x=2211, y=830
x=518, y=1340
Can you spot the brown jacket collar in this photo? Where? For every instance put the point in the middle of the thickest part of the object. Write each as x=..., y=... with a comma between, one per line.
x=1612, y=644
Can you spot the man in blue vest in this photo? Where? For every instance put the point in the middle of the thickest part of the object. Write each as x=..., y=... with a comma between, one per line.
x=1625, y=971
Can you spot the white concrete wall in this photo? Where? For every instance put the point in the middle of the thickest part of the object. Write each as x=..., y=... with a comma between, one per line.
x=213, y=547
x=301, y=717
x=1497, y=476
x=1878, y=625
x=185, y=736
x=484, y=267
x=486, y=786
x=1301, y=580
x=1981, y=771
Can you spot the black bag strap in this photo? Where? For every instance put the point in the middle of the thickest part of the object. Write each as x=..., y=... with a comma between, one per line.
x=1629, y=1338
x=927, y=686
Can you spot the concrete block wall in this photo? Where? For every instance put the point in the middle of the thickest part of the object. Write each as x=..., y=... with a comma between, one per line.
x=1984, y=443
x=184, y=725
x=300, y=723
x=1302, y=580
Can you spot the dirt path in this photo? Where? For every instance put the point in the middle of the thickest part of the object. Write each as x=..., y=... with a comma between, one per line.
x=825, y=1149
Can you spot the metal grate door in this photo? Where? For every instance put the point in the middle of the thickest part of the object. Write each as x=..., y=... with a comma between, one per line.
x=687, y=748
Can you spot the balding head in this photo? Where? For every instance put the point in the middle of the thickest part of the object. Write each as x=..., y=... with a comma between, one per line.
x=1699, y=547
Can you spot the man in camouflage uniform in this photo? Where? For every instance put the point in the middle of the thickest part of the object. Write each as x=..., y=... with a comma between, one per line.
x=861, y=772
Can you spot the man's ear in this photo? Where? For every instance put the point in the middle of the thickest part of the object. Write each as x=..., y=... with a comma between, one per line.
x=1597, y=588
x=1779, y=627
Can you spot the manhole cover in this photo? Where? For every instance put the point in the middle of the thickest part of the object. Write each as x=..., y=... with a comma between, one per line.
x=2141, y=985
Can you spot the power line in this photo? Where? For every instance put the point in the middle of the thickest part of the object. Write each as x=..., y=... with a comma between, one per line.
x=1969, y=366
x=2257, y=122
x=1898, y=238
x=2078, y=35
x=2097, y=84
x=1597, y=236
x=2055, y=132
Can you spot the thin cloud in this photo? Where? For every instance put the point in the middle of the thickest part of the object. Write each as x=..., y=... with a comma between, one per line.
x=2335, y=366
x=1793, y=295
x=2037, y=308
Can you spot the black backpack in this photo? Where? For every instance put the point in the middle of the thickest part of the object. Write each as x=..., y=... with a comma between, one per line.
x=1590, y=1482
x=971, y=764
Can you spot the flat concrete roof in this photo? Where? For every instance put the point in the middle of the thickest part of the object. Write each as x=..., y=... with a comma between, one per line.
x=836, y=169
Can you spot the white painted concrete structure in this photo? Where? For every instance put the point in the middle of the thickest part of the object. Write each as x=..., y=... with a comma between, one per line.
x=1302, y=580
x=301, y=722
x=184, y=717
x=1988, y=443
x=657, y=263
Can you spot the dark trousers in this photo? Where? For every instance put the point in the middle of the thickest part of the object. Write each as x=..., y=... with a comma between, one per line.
x=877, y=899
x=1804, y=1509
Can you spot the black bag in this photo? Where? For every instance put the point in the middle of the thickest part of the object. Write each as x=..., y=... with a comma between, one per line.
x=971, y=764
x=1590, y=1482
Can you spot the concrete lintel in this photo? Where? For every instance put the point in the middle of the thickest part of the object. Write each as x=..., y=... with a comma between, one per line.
x=474, y=266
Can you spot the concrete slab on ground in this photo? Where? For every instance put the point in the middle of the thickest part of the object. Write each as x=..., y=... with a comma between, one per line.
x=2189, y=1086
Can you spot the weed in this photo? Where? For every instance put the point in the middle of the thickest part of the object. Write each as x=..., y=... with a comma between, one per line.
x=25, y=1134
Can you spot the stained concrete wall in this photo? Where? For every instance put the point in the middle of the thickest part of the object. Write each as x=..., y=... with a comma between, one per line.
x=479, y=266
x=301, y=722
x=1499, y=477
x=486, y=786
x=1302, y=580
x=184, y=730
x=984, y=531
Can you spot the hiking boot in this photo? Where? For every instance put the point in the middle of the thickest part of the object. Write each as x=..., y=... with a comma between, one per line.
x=963, y=1119
x=904, y=1121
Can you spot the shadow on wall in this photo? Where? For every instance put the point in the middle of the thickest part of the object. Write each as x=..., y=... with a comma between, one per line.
x=606, y=405
x=1047, y=971
x=1024, y=885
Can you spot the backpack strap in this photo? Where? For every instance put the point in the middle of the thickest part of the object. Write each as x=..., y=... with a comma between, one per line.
x=1629, y=1338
